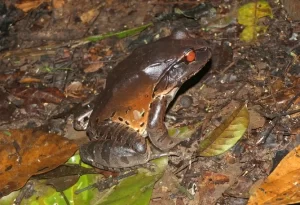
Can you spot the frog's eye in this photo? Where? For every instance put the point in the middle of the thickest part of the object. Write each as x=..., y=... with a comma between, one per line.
x=189, y=56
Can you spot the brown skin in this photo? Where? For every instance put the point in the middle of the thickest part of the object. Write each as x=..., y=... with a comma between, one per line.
x=135, y=99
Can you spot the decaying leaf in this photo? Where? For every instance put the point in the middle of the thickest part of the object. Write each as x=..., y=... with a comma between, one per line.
x=30, y=80
x=136, y=189
x=227, y=134
x=34, y=95
x=93, y=67
x=58, y=3
x=24, y=153
x=27, y=5
x=88, y=16
x=248, y=16
x=282, y=185
x=75, y=90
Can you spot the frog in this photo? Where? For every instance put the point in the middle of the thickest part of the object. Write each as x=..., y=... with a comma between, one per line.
x=126, y=127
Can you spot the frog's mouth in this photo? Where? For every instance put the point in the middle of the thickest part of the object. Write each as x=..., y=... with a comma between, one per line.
x=180, y=70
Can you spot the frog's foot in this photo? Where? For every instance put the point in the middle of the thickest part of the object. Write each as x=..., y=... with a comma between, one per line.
x=107, y=183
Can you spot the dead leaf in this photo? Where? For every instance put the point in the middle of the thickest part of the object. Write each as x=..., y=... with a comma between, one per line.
x=27, y=5
x=281, y=97
x=89, y=15
x=6, y=78
x=227, y=134
x=292, y=8
x=208, y=185
x=34, y=95
x=256, y=120
x=75, y=90
x=282, y=185
x=93, y=67
x=58, y=3
x=30, y=80
x=24, y=153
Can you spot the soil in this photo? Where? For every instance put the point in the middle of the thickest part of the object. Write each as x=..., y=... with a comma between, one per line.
x=48, y=72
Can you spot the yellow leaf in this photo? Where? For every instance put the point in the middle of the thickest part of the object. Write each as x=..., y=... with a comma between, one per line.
x=250, y=32
x=248, y=16
x=227, y=134
x=282, y=185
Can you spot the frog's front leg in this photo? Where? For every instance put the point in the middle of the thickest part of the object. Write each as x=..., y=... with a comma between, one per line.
x=156, y=128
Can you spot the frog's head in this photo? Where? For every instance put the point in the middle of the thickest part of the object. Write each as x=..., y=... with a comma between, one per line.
x=174, y=59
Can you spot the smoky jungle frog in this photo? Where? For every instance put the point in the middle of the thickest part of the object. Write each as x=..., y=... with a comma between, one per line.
x=128, y=117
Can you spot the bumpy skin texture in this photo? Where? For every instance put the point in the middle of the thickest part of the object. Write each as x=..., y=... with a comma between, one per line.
x=134, y=102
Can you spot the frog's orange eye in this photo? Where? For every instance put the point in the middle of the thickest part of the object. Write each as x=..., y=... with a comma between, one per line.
x=190, y=55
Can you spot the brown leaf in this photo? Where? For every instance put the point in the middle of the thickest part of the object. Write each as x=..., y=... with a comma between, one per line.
x=30, y=80
x=58, y=3
x=26, y=5
x=93, y=67
x=5, y=78
x=292, y=7
x=33, y=95
x=24, y=153
x=282, y=185
x=75, y=90
x=89, y=15
x=209, y=186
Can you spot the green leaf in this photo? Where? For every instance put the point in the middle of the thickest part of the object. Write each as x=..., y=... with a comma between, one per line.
x=137, y=189
x=183, y=132
x=248, y=16
x=227, y=134
x=122, y=34
x=46, y=195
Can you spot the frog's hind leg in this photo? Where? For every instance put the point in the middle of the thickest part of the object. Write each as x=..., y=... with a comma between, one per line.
x=117, y=146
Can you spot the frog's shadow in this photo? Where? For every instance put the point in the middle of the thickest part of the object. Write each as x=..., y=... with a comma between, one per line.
x=191, y=82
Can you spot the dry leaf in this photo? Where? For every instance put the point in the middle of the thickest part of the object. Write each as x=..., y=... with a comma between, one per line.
x=24, y=153
x=30, y=80
x=93, y=67
x=33, y=95
x=89, y=15
x=282, y=185
x=58, y=3
x=27, y=5
x=75, y=90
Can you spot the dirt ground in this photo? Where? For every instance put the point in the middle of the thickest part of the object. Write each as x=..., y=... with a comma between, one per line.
x=48, y=72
